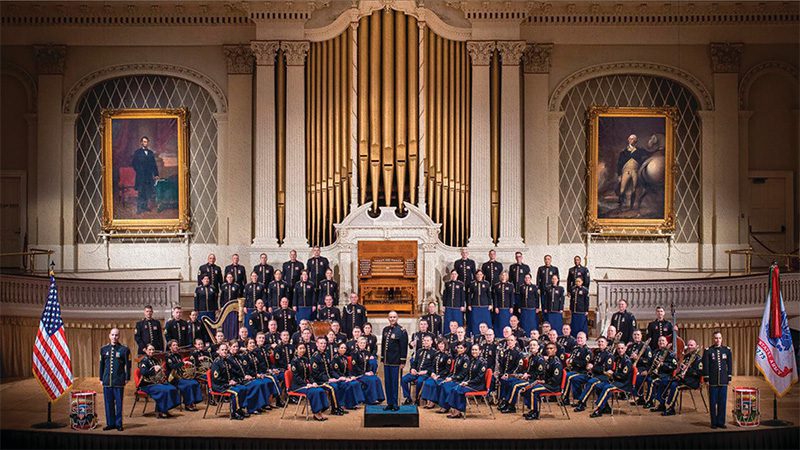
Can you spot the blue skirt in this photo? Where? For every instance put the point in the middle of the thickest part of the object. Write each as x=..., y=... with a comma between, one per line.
x=479, y=315
x=528, y=320
x=502, y=320
x=556, y=320
x=190, y=391
x=317, y=398
x=166, y=396
x=256, y=396
x=373, y=388
x=444, y=393
x=453, y=314
x=430, y=389
x=457, y=398
x=579, y=322
x=303, y=312
x=353, y=394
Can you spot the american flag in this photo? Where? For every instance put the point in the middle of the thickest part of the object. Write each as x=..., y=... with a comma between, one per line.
x=51, y=361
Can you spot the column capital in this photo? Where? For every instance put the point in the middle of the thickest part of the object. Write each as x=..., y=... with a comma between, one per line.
x=50, y=59
x=295, y=52
x=264, y=52
x=239, y=58
x=536, y=58
x=481, y=52
x=510, y=52
x=726, y=56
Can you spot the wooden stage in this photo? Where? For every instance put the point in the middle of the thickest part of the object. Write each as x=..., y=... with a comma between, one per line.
x=22, y=404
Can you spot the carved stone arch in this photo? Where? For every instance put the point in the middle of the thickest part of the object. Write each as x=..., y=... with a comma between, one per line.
x=686, y=79
x=87, y=82
x=25, y=79
x=756, y=72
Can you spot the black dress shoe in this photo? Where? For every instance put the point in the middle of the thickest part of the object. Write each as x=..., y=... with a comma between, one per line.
x=668, y=412
x=580, y=407
x=337, y=412
x=407, y=401
x=659, y=408
x=237, y=416
x=279, y=403
x=640, y=401
x=531, y=416
x=648, y=405
x=723, y=426
x=108, y=427
x=387, y=408
x=713, y=426
x=320, y=419
x=607, y=410
x=120, y=428
x=510, y=410
x=595, y=414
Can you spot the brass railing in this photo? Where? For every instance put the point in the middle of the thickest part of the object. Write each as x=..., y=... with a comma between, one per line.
x=31, y=255
x=748, y=253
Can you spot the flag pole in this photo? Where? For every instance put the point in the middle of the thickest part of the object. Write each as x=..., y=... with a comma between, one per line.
x=49, y=425
x=775, y=422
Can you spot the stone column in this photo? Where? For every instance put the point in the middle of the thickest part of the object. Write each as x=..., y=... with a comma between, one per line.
x=725, y=60
x=480, y=53
x=69, y=256
x=536, y=67
x=235, y=186
x=706, y=248
x=32, y=122
x=511, y=176
x=50, y=61
x=744, y=170
x=265, y=194
x=295, y=52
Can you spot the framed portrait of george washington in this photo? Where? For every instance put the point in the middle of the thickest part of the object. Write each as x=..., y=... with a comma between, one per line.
x=145, y=169
x=630, y=179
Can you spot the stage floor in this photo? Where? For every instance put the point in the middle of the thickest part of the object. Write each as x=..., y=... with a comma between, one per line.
x=22, y=403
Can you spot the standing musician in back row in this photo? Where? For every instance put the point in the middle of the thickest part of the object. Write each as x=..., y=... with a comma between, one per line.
x=579, y=307
x=237, y=270
x=205, y=298
x=148, y=331
x=553, y=305
x=544, y=276
x=266, y=273
x=465, y=267
x=492, y=269
x=517, y=272
x=480, y=303
x=291, y=271
x=659, y=327
x=326, y=287
x=213, y=271
x=454, y=300
x=624, y=321
x=503, y=297
x=577, y=272
x=317, y=266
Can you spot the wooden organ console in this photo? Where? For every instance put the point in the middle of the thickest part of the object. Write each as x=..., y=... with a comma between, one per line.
x=387, y=276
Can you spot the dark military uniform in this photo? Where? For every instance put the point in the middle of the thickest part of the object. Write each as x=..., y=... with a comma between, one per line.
x=214, y=274
x=689, y=373
x=552, y=383
x=179, y=331
x=258, y=322
x=276, y=290
x=602, y=363
x=466, y=269
x=304, y=299
x=228, y=292
x=544, y=278
x=718, y=369
x=353, y=316
x=528, y=303
x=479, y=295
x=205, y=300
x=658, y=380
x=284, y=353
x=394, y=349
x=453, y=299
x=286, y=320
x=221, y=374
x=291, y=273
x=331, y=314
x=491, y=271
x=423, y=364
x=656, y=329
x=577, y=374
x=579, y=307
x=322, y=373
x=576, y=272
x=568, y=342
x=239, y=274
x=196, y=330
x=253, y=292
x=642, y=364
x=115, y=372
x=516, y=274
x=327, y=287
x=317, y=266
x=553, y=307
x=620, y=379
x=625, y=323
x=435, y=323
x=148, y=332
x=265, y=272
x=503, y=298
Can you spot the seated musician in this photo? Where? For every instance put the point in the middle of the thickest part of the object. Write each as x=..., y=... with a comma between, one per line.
x=641, y=356
x=480, y=337
x=459, y=374
x=434, y=319
x=244, y=334
x=303, y=382
x=544, y=336
x=354, y=395
x=328, y=312
x=461, y=338
x=566, y=340
x=599, y=371
x=257, y=392
x=578, y=365
x=514, y=383
x=223, y=380
x=622, y=373
x=306, y=337
x=259, y=318
x=415, y=342
x=372, y=344
x=219, y=339
x=535, y=336
x=259, y=357
x=475, y=380
x=165, y=395
x=452, y=335
x=284, y=352
x=285, y=317
x=272, y=337
x=612, y=336
x=331, y=344
x=687, y=377
x=508, y=360
x=419, y=370
x=516, y=329
x=197, y=330
x=550, y=382
x=201, y=358
x=295, y=337
x=552, y=336
x=353, y=315
x=363, y=372
x=442, y=362
x=660, y=372
x=188, y=387
x=489, y=353
x=322, y=374
x=352, y=344
x=337, y=330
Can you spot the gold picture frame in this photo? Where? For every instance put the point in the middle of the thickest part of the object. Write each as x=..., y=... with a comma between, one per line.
x=145, y=184
x=630, y=180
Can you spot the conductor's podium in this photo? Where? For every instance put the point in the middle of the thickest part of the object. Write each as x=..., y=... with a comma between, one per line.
x=376, y=417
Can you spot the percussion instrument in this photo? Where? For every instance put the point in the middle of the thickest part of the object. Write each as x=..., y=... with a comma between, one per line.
x=81, y=410
x=746, y=407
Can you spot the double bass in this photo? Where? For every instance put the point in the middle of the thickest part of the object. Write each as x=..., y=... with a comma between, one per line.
x=677, y=342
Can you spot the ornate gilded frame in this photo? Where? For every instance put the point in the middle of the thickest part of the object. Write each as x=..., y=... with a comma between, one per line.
x=182, y=221
x=630, y=227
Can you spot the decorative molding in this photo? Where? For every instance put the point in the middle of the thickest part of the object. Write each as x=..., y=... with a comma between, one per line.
x=481, y=52
x=726, y=57
x=295, y=52
x=264, y=52
x=510, y=52
x=756, y=72
x=632, y=67
x=536, y=58
x=26, y=79
x=122, y=70
x=239, y=58
x=50, y=59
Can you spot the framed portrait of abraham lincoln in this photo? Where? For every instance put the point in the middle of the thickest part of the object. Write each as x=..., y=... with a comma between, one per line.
x=145, y=170
x=630, y=170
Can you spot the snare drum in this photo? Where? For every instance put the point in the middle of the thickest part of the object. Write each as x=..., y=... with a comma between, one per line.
x=746, y=409
x=81, y=410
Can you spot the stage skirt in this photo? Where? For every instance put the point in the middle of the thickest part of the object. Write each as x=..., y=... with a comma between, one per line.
x=165, y=396
x=256, y=396
x=190, y=391
x=373, y=389
x=579, y=322
x=528, y=320
x=556, y=320
x=502, y=320
x=457, y=398
x=353, y=394
x=479, y=315
x=453, y=314
x=317, y=398
x=430, y=389
x=303, y=312
x=444, y=393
